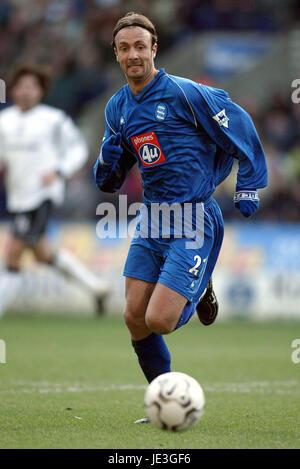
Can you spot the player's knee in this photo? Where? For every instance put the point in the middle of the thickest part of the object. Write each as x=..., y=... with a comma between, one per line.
x=44, y=258
x=131, y=318
x=128, y=318
x=13, y=262
x=159, y=324
x=43, y=253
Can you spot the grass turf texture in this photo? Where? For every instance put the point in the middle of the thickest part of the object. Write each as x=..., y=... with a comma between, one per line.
x=75, y=383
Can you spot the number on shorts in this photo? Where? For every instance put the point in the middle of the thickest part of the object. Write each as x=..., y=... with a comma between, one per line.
x=194, y=270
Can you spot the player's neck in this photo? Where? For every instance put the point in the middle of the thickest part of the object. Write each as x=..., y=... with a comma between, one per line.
x=26, y=108
x=137, y=86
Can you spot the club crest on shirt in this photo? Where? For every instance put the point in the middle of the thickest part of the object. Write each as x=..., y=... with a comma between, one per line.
x=148, y=149
x=161, y=112
x=221, y=118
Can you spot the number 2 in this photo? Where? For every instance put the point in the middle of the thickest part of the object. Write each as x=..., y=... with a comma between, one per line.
x=194, y=270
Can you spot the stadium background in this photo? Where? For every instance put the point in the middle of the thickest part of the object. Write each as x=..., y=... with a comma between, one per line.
x=251, y=49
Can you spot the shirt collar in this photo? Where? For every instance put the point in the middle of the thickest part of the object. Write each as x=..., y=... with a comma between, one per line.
x=139, y=96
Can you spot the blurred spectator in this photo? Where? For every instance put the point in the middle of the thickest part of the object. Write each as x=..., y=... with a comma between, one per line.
x=279, y=124
x=226, y=14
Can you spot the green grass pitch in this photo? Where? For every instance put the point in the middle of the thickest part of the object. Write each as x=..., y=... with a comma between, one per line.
x=75, y=383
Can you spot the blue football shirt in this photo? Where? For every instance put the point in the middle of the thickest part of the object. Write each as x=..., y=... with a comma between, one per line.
x=184, y=137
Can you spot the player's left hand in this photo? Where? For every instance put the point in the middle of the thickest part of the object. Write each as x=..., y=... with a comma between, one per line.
x=246, y=201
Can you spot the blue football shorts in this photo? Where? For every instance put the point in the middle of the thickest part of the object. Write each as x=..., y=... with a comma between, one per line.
x=177, y=262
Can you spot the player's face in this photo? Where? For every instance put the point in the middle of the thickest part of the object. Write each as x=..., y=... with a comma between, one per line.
x=27, y=92
x=135, y=53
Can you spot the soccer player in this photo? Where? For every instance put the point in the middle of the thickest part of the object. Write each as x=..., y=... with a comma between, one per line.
x=184, y=137
x=40, y=147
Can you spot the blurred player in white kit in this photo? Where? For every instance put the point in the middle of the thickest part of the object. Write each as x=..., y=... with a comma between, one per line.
x=40, y=148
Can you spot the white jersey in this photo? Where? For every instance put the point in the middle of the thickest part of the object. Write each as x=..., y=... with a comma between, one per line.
x=33, y=143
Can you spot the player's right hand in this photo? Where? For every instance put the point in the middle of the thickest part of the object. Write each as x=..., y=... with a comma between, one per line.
x=111, y=150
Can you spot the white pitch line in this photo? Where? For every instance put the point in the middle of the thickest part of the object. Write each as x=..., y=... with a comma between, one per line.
x=59, y=388
x=261, y=387
x=258, y=387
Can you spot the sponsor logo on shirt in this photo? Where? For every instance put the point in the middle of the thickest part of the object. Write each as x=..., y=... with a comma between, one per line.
x=148, y=149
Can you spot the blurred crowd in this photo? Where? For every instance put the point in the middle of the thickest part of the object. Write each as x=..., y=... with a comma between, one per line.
x=278, y=126
x=72, y=38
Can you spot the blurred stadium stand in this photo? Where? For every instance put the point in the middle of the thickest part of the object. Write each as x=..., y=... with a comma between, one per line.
x=250, y=48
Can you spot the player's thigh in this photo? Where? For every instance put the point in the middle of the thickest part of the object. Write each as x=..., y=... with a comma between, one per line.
x=42, y=250
x=137, y=295
x=164, y=309
x=141, y=270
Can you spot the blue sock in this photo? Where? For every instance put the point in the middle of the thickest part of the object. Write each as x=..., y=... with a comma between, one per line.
x=153, y=354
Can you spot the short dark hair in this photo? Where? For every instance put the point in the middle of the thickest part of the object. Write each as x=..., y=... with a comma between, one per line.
x=38, y=71
x=135, y=19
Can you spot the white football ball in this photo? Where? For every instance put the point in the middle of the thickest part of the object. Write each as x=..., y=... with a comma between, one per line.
x=174, y=401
